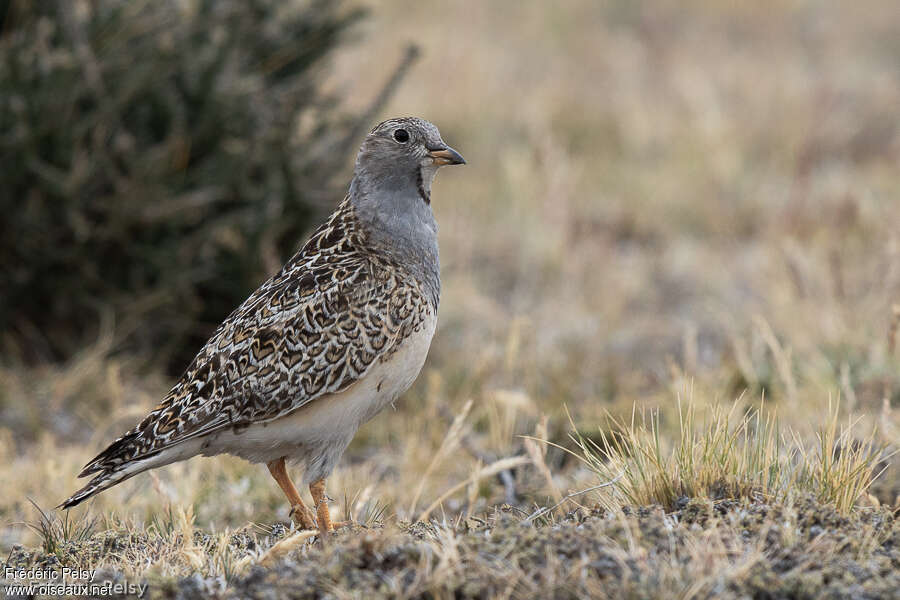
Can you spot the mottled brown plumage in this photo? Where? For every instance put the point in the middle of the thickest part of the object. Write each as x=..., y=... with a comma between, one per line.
x=363, y=286
x=312, y=329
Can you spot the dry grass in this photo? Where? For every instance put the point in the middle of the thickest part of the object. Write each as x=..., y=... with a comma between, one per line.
x=726, y=549
x=659, y=197
x=729, y=454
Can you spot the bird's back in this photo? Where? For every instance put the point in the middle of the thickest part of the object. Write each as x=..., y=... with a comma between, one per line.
x=338, y=307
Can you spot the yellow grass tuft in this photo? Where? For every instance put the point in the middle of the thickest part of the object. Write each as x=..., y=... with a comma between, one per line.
x=729, y=454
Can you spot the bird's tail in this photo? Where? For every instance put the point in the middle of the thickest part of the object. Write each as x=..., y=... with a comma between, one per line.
x=113, y=466
x=121, y=461
x=100, y=482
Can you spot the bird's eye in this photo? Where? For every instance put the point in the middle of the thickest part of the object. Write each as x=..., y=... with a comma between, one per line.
x=401, y=135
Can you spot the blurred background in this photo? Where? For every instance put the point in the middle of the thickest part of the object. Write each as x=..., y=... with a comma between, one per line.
x=661, y=199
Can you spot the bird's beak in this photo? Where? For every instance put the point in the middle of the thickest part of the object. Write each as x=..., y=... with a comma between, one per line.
x=446, y=156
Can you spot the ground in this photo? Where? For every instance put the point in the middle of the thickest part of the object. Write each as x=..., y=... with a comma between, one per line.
x=703, y=549
x=667, y=207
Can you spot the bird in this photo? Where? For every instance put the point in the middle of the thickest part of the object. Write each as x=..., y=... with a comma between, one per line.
x=322, y=346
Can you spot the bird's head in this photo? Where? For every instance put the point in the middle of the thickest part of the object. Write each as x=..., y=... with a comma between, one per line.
x=404, y=150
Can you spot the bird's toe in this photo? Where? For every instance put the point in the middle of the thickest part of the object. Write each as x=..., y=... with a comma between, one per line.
x=303, y=517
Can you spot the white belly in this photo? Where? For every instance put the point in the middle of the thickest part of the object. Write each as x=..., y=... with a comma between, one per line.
x=318, y=433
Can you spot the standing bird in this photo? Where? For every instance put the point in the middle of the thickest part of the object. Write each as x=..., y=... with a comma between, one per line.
x=340, y=332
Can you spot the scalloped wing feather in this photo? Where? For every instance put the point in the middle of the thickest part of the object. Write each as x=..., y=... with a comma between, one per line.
x=313, y=329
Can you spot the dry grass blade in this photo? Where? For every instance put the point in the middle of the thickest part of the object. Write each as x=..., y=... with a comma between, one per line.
x=542, y=511
x=488, y=471
x=841, y=468
x=55, y=532
x=450, y=442
x=538, y=454
x=781, y=355
x=278, y=551
x=190, y=552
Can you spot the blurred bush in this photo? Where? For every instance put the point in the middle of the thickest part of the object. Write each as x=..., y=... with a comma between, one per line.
x=159, y=160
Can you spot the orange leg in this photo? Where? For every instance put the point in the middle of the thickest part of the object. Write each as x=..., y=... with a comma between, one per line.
x=320, y=502
x=301, y=513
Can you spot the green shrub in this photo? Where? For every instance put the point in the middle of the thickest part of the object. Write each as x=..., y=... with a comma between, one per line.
x=153, y=171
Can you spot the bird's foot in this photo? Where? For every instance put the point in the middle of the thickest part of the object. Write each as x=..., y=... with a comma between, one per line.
x=320, y=502
x=303, y=517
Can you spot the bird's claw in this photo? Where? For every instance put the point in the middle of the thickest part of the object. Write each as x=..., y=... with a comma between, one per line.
x=302, y=517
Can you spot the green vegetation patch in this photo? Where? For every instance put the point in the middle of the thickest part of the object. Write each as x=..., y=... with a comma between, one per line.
x=156, y=165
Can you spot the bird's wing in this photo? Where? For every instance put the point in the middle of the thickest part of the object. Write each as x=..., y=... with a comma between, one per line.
x=313, y=329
